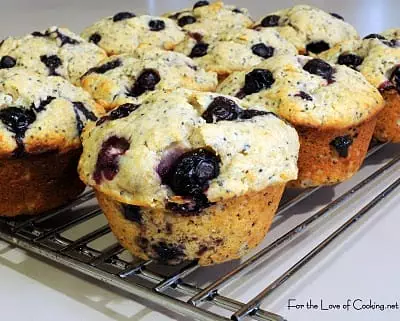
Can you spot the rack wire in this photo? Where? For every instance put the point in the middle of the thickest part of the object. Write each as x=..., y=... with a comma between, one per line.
x=45, y=235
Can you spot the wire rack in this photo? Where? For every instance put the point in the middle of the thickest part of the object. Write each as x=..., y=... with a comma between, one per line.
x=48, y=236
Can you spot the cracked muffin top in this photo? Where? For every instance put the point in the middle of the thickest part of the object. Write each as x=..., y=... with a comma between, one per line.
x=376, y=57
x=183, y=150
x=310, y=29
x=41, y=113
x=125, y=78
x=306, y=91
x=211, y=19
x=235, y=50
x=54, y=52
x=124, y=32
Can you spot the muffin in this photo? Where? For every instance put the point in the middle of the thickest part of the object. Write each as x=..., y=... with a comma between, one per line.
x=41, y=118
x=310, y=29
x=235, y=51
x=189, y=175
x=124, y=32
x=53, y=52
x=125, y=78
x=378, y=59
x=333, y=108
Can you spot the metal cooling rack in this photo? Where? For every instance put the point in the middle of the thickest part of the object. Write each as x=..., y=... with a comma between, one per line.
x=47, y=236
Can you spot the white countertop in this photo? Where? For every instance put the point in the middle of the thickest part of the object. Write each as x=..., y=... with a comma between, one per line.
x=362, y=266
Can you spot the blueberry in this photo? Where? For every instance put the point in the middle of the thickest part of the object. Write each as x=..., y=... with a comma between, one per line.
x=156, y=25
x=237, y=10
x=7, y=62
x=52, y=63
x=262, y=50
x=168, y=253
x=350, y=60
x=95, y=38
x=186, y=20
x=123, y=16
x=342, y=144
x=17, y=119
x=146, y=81
x=192, y=171
x=250, y=113
x=102, y=69
x=303, y=95
x=320, y=68
x=121, y=112
x=317, y=47
x=374, y=36
x=66, y=39
x=270, y=21
x=338, y=16
x=193, y=205
x=39, y=34
x=221, y=108
x=196, y=36
x=43, y=104
x=80, y=109
x=200, y=4
x=257, y=80
x=132, y=213
x=107, y=165
x=395, y=78
x=199, y=50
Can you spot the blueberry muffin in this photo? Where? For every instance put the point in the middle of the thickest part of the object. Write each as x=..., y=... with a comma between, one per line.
x=125, y=78
x=235, y=51
x=189, y=175
x=310, y=29
x=378, y=59
x=124, y=32
x=41, y=119
x=211, y=19
x=333, y=108
x=54, y=52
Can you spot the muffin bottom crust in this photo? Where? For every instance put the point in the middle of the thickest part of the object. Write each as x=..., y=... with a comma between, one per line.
x=222, y=232
x=37, y=183
x=320, y=164
x=388, y=122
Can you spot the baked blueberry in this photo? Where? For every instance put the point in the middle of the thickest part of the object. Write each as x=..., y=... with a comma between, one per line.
x=121, y=112
x=52, y=62
x=250, y=113
x=221, y=108
x=123, y=16
x=237, y=10
x=102, y=69
x=200, y=4
x=350, y=60
x=146, y=81
x=336, y=16
x=186, y=20
x=257, y=80
x=395, y=78
x=80, y=109
x=39, y=34
x=270, y=21
x=192, y=205
x=156, y=25
x=262, y=50
x=191, y=173
x=342, y=144
x=319, y=67
x=199, y=50
x=317, y=47
x=43, y=104
x=107, y=165
x=66, y=39
x=95, y=38
x=303, y=95
x=16, y=119
x=7, y=62
x=132, y=213
x=374, y=36
x=165, y=252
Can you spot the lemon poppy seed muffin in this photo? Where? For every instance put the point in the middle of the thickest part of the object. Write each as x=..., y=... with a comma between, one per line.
x=124, y=32
x=333, y=107
x=54, y=52
x=189, y=175
x=41, y=118
x=310, y=29
x=378, y=58
x=126, y=78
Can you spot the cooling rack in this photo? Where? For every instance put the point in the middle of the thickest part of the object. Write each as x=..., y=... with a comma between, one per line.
x=70, y=237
